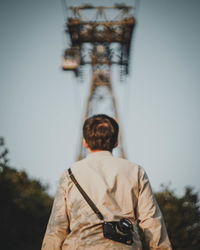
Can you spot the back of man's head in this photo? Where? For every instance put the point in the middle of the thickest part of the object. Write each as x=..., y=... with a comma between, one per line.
x=100, y=132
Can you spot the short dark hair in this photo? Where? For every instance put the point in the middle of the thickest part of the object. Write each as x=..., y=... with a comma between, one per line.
x=100, y=132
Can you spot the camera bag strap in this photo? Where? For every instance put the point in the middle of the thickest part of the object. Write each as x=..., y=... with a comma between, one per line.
x=85, y=196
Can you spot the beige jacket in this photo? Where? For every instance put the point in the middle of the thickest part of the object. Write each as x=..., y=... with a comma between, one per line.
x=119, y=189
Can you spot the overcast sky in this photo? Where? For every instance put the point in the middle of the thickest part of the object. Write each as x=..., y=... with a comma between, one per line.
x=42, y=107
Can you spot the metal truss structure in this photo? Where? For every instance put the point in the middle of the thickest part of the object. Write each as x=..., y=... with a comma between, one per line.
x=101, y=37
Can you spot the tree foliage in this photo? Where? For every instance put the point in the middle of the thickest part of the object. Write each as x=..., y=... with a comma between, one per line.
x=182, y=217
x=25, y=208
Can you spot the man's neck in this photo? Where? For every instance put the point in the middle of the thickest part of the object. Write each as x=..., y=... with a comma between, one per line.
x=94, y=151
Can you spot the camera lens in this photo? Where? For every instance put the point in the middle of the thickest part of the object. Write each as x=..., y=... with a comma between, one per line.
x=125, y=226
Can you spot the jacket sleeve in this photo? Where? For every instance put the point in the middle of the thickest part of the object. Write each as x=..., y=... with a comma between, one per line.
x=58, y=225
x=150, y=217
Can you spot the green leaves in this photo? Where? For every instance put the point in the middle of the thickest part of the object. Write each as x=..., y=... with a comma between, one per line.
x=3, y=154
x=182, y=217
x=25, y=208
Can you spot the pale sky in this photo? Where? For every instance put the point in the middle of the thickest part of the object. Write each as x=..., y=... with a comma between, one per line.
x=42, y=107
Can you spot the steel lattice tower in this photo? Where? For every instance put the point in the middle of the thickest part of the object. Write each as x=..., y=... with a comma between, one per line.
x=101, y=39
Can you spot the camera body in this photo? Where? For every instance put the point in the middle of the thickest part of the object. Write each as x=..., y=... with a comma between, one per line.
x=120, y=231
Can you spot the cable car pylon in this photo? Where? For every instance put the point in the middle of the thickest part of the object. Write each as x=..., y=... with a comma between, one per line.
x=101, y=38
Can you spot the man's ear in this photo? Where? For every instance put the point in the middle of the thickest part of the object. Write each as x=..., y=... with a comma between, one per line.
x=85, y=143
x=116, y=144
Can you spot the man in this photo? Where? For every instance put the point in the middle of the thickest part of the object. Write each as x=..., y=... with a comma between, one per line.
x=118, y=188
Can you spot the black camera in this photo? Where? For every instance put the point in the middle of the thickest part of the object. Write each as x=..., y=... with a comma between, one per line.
x=120, y=231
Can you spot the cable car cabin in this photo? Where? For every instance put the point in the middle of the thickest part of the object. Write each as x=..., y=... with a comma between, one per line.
x=71, y=59
x=70, y=64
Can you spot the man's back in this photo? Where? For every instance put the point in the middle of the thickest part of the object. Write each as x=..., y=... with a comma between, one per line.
x=119, y=189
